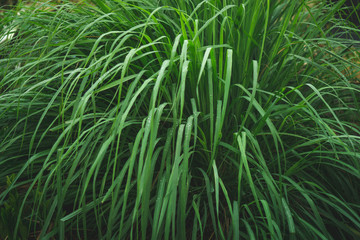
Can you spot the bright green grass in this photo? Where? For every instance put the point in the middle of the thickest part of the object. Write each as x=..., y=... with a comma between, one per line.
x=178, y=120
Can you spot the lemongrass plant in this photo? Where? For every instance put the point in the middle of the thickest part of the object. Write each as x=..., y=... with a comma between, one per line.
x=179, y=120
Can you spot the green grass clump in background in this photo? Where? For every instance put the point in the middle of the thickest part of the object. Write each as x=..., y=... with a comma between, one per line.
x=179, y=120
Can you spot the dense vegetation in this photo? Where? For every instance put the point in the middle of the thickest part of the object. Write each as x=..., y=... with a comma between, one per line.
x=168, y=119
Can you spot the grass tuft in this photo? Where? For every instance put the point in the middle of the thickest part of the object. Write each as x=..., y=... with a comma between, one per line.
x=179, y=120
